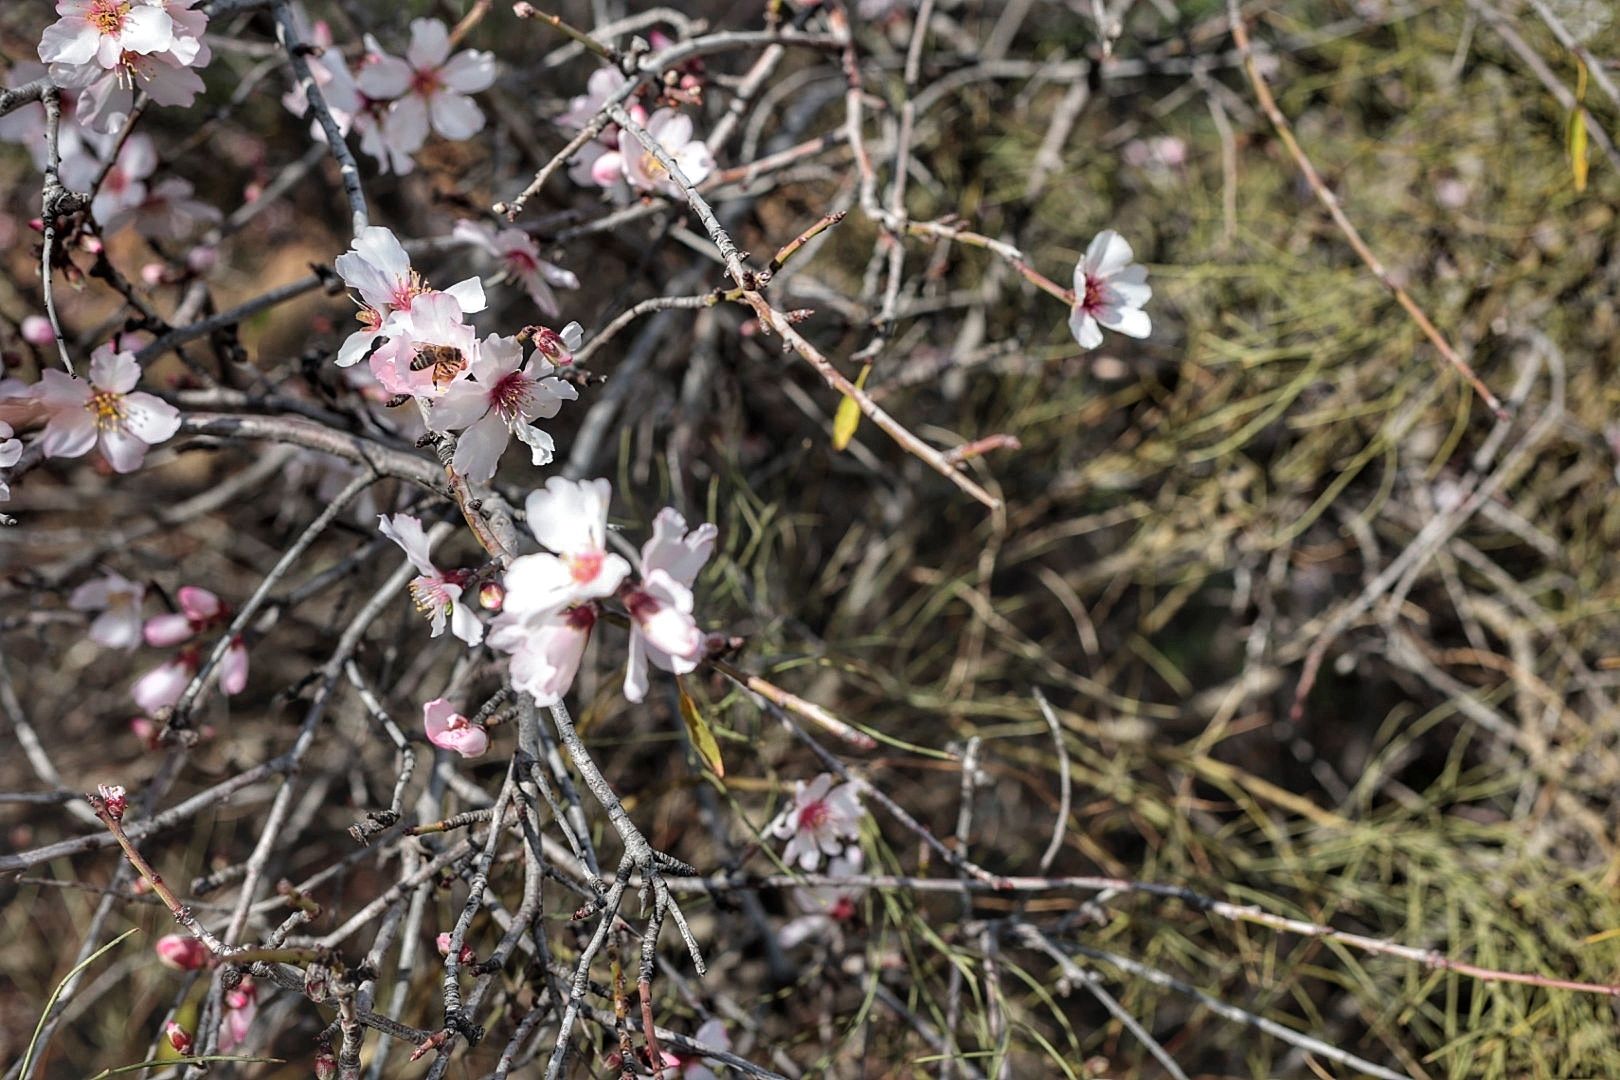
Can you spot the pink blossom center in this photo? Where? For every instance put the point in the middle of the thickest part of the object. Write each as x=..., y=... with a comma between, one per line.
x=1092, y=299
x=584, y=566
x=511, y=394
x=426, y=83
x=370, y=318
x=521, y=262
x=581, y=618
x=107, y=16
x=641, y=605
x=814, y=816
x=843, y=908
x=430, y=595
x=407, y=289
x=107, y=406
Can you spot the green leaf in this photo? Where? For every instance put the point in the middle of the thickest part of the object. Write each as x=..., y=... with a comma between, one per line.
x=33, y=1044
x=849, y=414
x=697, y=728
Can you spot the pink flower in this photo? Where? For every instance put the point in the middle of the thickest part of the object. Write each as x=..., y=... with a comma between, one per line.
x=558, y=346
x=437, y=595
x=520, y=261
x=163, y=685
x=331, y=76
x=431, y=86
x=10, y=454
x=442, y=943
x=233, y=668
x=673, y=132
x=125, y=185
x=182, y=952
x=178, y=1037
x=662, y=629
x=199, y=609
x=502, y=399
x=241, y=1006
x=1109, y=290
x=102, y=31
x=82, y=413
x=546, y=649
x=569, y=518
x=818, y=821
x=449, y=730
x=603, y=84
x=691, y=1066
x=119, y=601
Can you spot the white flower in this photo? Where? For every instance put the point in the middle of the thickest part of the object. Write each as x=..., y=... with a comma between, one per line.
x=520, y=261
x=102, y=31
x=1109, y=289
x=569, y=518
x=672, y=131
x=378, y=268
x=119, y=601
x=125, y=185
x=546, y=649
x=330, y=75
x=436, y=595
x=662, y=629
x=10, y=454
x=107, y=97
x=429, y=348
x=506, y=396
x=825, y=907
x=818, y=821
x=167, y=213
x=80, y=413
x=603, y=84
x=430, y=88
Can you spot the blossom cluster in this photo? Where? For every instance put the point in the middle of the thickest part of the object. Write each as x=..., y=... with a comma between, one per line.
x=108, y=50
x=617, y=162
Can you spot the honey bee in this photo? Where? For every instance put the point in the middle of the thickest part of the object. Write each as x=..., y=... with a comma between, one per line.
x=445, y=360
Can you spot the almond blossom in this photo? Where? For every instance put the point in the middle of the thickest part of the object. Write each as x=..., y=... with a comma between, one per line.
x=501, y=399
x=102, y=31
x=163, y=685
x=1109, y=289
x=119, y=601
x=818, y=821
x=378, y=268
x=569, y=518
x=10, y=453
x=103, y=411
x=449, y=730
x=429, y=349
x=431, y=85
x=199, y=610
x=519, y=258
x=662, y=629
x=436, y=595
x=546, y=649
x=825, y=907
x=672, y=131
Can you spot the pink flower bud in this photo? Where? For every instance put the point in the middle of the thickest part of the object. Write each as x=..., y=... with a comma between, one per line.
x=182, y=952
x=178, y=1037
x=152, y=274
x=443, y=942
x=92, y=245
x=491, y=596
x=147, y=730
x=202, y=258
x=233, y=669
x=36, y=330
x=325, y=1064
x=114, y=798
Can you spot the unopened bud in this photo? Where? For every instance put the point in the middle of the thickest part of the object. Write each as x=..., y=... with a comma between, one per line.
x=182, y=952
x=466, y=955
x=114, y=798
x=36, y=330
x=316, y=979
x=523, y=10
x=178, y=1037
x=325, y=1064
x=491, y=596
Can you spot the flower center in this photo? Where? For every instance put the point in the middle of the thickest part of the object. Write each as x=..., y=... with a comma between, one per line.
x=651, y=165
x=814, y=817
x=581, y=618
x=512, y=394
x=429, y=595
x=426, y=83
x=521, y=262
x=843, y=908
x=370, y=318
x=641, y=605
x=107, y=16
x=406, y=290
x=585, y=566
x=107, y=406
x=1092, y=300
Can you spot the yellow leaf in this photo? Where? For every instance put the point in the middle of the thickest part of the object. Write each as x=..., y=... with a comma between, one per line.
x=1577, y=130
x=697, y=728
x=849, y=414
